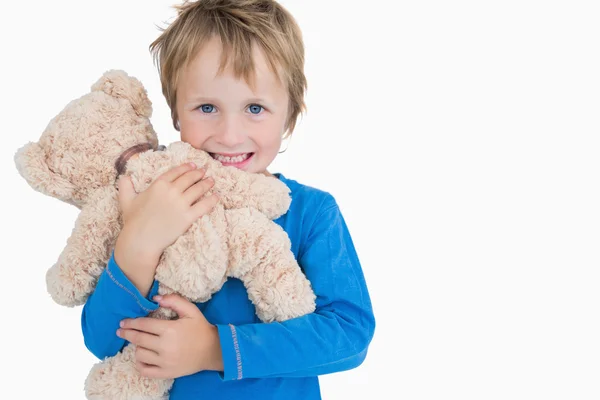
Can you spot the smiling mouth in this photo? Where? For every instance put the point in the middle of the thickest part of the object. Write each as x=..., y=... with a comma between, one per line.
x=231, y=159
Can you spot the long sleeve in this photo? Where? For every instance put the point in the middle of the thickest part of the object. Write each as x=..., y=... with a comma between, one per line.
x=334, y=338
x=114, y=298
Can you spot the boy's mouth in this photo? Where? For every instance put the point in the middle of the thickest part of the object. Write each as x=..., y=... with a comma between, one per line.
x=237, y=160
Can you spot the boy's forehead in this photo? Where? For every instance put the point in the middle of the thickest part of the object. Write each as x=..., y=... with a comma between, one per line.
x=204, y=69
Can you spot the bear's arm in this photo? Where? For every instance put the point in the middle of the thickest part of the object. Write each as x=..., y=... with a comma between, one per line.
x=240, y=189
x=73, y=277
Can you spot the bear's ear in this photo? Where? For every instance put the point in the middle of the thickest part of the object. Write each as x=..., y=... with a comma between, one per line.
x=31, y=164
x=118, y=84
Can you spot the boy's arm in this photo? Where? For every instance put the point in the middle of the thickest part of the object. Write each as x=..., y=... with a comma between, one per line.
x=114, y=298
x=334, y=338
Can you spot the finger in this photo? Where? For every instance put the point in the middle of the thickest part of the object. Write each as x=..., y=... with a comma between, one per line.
x=183, y=307
x=139, y=338
x=189, y=179
x=204, y=206
x=147, y=356
x=176, y=172
x=196, y=191
x=154, y=326
x=126, y=191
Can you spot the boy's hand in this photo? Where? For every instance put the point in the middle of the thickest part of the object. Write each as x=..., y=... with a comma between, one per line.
x=155, y=218
x=168, y=349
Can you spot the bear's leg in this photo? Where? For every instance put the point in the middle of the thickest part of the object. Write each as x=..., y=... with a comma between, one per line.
x=117, y=378
x=260, y=256
x=195, y=265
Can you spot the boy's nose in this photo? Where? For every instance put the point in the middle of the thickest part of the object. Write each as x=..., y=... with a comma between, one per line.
x=231, y=132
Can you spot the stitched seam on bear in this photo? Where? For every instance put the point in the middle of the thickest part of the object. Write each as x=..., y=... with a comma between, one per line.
x=112, y=278
x=236, y=347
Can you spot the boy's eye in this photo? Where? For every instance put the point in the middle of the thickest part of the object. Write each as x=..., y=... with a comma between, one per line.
x=207, y=108
x=255, y=108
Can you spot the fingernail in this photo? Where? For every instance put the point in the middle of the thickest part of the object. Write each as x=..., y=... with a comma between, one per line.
x=118, y=332
x=193, y=165
x=122, y=324
x=158, y=298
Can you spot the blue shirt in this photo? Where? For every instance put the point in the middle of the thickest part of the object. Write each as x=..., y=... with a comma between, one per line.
x=278, y=360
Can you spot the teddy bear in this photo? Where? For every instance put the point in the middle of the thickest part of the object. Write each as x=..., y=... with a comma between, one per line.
x=106, y=134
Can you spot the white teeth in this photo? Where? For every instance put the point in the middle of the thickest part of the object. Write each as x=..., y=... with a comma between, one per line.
x=236, y=159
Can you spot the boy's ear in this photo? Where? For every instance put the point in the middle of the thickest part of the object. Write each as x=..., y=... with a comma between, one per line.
x=118, y=84
x=31, y=164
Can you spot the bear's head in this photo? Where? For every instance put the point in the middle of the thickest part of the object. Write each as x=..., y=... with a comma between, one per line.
x=77, y=152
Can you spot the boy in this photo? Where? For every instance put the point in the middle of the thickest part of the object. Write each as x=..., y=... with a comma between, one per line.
x=232, y=74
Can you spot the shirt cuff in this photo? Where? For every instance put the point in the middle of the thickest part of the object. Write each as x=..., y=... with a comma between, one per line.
x=230, y=351
x=118, y=278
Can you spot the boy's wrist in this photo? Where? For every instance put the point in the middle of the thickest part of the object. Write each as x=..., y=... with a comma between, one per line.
x=128, y=251
x=137, y=265
x=215, y=359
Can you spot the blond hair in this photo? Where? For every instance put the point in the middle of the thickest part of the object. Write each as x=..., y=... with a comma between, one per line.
x=239, y=24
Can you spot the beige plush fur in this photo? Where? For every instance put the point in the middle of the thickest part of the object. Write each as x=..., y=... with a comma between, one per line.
x=74, y=161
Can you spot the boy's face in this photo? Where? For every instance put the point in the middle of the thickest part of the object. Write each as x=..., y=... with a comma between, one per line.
x=224, y=117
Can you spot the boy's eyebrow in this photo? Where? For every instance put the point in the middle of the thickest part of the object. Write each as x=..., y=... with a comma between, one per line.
x=213, y=100
x=257, y=100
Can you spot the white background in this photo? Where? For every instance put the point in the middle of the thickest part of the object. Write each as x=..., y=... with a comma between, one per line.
x=461, y=140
